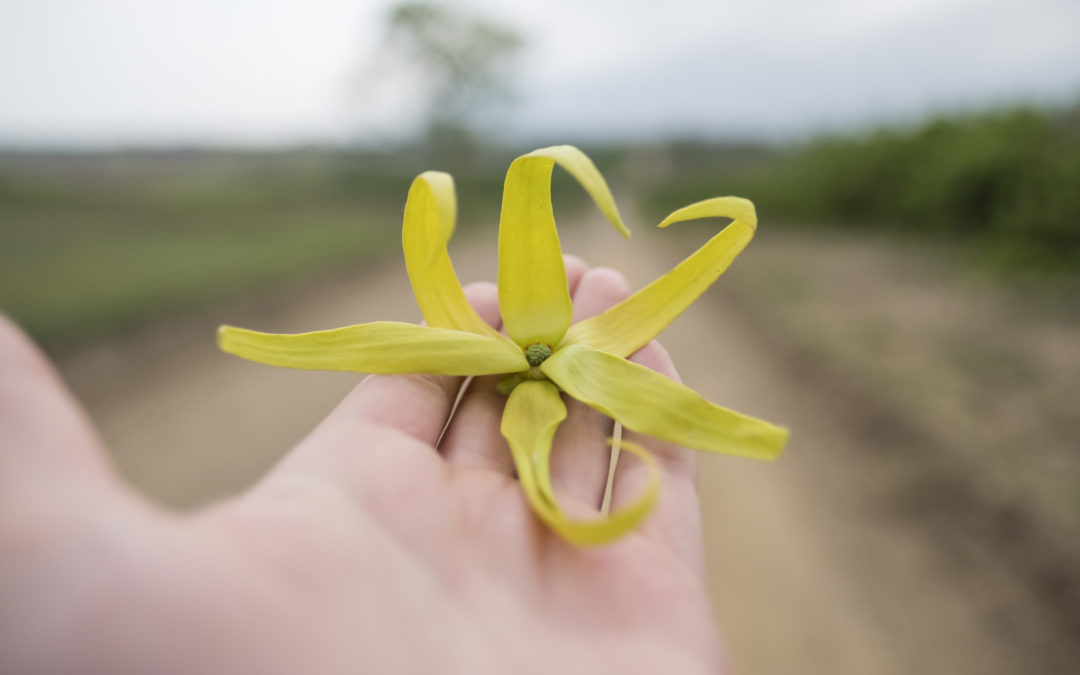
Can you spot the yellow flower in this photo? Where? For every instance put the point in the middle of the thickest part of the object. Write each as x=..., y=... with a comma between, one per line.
x=542, y=353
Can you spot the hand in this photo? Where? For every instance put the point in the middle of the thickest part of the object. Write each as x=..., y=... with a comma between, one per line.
x=373, y=547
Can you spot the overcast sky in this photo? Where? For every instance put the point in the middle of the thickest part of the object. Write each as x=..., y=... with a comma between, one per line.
x=270, y=72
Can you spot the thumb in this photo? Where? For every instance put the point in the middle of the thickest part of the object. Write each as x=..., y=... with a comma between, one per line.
x=48, y=448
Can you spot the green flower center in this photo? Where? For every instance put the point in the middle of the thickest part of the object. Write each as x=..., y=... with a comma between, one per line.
x=537, y=354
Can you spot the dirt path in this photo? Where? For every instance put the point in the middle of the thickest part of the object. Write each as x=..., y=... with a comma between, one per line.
x=811, y=572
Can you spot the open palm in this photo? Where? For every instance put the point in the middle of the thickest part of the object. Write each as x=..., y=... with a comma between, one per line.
x=386, y=542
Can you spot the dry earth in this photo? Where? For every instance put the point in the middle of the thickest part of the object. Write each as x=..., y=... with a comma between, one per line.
x=824, y=562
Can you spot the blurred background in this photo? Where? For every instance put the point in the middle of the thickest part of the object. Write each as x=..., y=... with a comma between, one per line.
x=909, y=307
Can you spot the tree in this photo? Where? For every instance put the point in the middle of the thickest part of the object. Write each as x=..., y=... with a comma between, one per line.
x=460, y=64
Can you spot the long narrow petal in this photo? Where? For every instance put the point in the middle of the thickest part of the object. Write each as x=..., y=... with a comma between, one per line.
x=384, y=347
x=532, y=415
x=629, y=325
x=649, y=403
x=533, y=294
x=430, y=213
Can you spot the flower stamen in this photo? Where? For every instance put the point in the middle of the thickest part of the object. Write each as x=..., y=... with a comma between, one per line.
x=537, y=354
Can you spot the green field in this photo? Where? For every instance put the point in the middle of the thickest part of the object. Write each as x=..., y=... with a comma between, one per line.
x=90, y=247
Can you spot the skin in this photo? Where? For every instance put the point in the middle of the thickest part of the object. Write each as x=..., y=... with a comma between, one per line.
x=371, y=547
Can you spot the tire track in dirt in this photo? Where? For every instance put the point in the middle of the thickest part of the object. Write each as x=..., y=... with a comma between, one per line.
x=809, y=573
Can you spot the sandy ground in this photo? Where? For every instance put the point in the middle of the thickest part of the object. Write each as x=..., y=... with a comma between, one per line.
x=816, y=565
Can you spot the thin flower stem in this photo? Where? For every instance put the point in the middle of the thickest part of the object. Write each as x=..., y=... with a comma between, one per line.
x=462, y=390
x=616, y=446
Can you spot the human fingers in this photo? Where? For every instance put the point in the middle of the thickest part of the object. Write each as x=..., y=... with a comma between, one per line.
x=580, y=456
x=473, y=440
x=676, y=520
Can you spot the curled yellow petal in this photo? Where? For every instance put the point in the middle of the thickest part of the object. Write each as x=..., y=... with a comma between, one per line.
x=533, y=295
x=385, y=347
x=533, y=413
x=629, y=325
x=649, y=403
x=430, y=213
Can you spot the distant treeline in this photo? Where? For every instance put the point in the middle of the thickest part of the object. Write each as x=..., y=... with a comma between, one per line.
x=1006, y=183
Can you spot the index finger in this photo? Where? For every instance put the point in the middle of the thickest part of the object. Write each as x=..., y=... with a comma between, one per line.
x=386, y=428
x=417, y=405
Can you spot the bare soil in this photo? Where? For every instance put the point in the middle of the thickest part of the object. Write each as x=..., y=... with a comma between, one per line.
x=857, y=552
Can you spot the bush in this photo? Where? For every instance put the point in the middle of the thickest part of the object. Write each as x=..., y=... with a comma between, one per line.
x=1008, y=182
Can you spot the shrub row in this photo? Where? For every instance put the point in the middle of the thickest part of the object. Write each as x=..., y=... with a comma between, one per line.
x=1006, y=182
